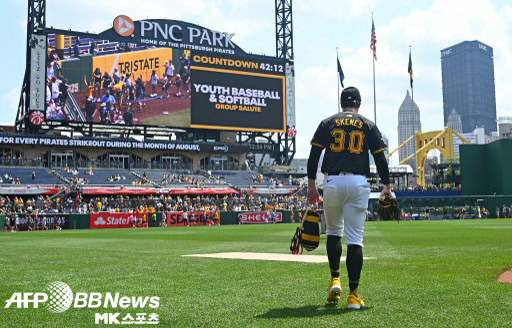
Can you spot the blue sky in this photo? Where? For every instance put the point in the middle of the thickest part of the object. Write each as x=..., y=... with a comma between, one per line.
x=319, y=27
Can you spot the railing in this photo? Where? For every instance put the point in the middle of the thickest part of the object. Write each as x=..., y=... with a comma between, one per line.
x=224, y=167
x=20, y=162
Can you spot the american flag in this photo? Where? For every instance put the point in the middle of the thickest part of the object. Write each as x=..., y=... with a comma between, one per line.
x=373, y=41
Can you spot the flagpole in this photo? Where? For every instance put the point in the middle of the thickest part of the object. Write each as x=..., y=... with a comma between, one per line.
x=338, y=83
x=374, y=95
x=412, y=103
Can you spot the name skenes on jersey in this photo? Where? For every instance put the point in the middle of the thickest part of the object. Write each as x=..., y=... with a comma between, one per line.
x=347, y=137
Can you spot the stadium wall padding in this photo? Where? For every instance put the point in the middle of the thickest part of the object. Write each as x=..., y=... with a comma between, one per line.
x=72, y=221
x=79, y=221
x=229, y=217
x=485, y=169
x=155, y=223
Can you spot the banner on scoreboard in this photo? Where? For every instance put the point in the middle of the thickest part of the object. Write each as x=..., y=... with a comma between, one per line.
x=139, y=63
x=259, y=217
x=198, y=218
x=37, y=72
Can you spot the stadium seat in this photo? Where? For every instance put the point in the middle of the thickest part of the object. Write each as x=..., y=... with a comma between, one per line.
x=101, y=176
x=24, y=174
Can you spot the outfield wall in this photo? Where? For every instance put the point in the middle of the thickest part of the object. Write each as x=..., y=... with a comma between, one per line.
x=120, y=220
x=67, y=221
x=486, y=169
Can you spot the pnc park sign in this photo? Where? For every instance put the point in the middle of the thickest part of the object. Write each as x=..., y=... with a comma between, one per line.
x=172, y=34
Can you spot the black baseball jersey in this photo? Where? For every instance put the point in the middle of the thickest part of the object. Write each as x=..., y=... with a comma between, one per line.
x=347, y=137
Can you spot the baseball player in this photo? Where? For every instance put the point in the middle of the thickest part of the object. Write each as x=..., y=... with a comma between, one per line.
x=346, y=137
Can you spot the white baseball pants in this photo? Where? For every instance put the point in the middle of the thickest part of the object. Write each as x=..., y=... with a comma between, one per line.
x=345, y=204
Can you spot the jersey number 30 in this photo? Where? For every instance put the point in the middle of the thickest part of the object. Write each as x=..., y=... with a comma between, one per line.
x=355, y=142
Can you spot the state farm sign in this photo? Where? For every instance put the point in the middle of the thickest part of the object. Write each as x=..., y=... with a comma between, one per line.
x=114, y=220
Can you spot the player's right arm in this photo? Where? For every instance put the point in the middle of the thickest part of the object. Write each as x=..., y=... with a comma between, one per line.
x=317, y=146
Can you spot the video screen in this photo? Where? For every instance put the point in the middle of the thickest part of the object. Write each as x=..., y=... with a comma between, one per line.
x=114, y=83
x=97, y=81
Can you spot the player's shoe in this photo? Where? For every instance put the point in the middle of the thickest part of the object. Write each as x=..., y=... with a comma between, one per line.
x=354, y=301
x=334, y=291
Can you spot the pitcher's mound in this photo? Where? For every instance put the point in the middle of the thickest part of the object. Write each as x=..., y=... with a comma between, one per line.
x=268, y=257
x=506, y=277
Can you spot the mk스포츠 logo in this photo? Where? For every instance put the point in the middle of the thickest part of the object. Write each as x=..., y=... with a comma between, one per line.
x=123, y=25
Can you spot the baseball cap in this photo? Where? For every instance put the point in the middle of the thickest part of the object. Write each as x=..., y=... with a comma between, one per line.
x=349, y=96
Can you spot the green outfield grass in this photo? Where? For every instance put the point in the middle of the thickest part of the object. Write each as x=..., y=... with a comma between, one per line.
x=426, y=274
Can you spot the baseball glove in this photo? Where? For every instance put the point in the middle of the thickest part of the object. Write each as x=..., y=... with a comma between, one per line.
x=307, y=234
x=387, y=208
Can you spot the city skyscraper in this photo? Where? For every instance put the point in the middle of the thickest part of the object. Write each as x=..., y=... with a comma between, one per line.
x=454, y=121
x=468, y=85
x=408, y=124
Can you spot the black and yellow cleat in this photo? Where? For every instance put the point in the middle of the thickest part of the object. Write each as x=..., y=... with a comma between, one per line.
x=354, y=301
x=334, y=291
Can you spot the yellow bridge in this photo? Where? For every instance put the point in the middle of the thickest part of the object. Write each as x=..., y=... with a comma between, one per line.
x=425, y=142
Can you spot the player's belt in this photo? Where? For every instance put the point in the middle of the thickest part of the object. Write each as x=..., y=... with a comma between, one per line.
x=340, y=173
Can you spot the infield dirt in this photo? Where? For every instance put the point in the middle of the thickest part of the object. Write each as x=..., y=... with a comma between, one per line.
x=506, y=277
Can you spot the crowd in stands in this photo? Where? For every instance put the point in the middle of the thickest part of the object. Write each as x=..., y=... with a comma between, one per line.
x=79, y=204
x=198, y=181
x=7, y=178
x=79, y=181
x=179, y=178
x=57, y=87
x=71, y=170
x=274, y=182
x=455, y=212
x=376, y=188
x=116, y=178
x=429, y=187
